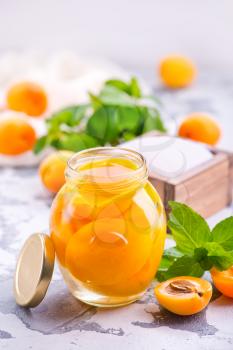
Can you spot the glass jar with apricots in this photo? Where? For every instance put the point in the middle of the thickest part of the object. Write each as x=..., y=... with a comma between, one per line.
x=108, y=227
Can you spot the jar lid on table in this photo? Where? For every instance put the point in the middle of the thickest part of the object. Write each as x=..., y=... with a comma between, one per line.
x=34, y=270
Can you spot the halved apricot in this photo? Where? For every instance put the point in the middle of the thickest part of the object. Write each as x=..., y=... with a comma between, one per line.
x=184, y=295
x=223, y=281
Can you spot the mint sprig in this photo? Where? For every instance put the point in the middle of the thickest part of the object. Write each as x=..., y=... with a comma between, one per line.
x=197, y=249
x=118, y=113
x=188, y=228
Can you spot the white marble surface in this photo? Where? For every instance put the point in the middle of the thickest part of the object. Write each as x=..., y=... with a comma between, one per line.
x=60, y=321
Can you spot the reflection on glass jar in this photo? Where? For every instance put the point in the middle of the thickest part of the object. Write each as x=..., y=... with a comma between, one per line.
x=108, y=227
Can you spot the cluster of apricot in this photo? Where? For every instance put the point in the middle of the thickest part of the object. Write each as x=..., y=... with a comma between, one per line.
x=17, y=135
x=177, y=71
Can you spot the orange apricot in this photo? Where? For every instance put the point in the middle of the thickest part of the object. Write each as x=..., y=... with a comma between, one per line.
x=137, y=282
x=200, y=127
x=107, y=251
x=27, y=97
x=184, y=295
x=63, y=225
x=177, y=71
x=223, y=281
x=52, y=170
x=16, y=136
x=60, y=236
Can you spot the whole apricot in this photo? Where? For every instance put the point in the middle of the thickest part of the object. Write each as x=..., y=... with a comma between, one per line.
x=177, y=71
x=184, y=295
x=27, y=97
x=200, y=127
x=16, y=136
x=223, y=281
x=52, y=170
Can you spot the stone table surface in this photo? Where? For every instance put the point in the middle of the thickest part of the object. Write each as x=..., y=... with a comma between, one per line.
x=62, y=322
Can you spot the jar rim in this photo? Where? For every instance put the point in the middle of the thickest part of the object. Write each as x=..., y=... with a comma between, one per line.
x=82, y=157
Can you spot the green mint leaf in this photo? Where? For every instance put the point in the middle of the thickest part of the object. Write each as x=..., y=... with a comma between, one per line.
x=78, y=114
x=132, y=88
x=223, y=233
x=70, y=116
x=219, y=257
x=75, y=142
x=111, y=96
x=222, y=262
x=165, y=263
x=129, y=119
x=117, y=113
x=188, y=228
x=127, y=136
x=103, y=125
x=119, y=84
x=206, y=263
x=172, y=253
x=153, y=120
x=135, y=90
x=95, y=101
x=183, y=266
x=169, y=256
x=40, y=144
x=200, y=253
x=201, y=256
x=215, y=249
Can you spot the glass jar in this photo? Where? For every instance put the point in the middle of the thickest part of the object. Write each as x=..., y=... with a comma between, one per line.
x=108, y=226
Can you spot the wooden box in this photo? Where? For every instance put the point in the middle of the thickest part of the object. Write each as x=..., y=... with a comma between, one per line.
x=206, y=188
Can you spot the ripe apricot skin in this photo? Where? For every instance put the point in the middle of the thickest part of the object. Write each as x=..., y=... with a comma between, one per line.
x=177, y=71
x=52, y=170
x=188, y=303
x=200, y=127
x=27, y=97
x=223, y=281
x=16, y=136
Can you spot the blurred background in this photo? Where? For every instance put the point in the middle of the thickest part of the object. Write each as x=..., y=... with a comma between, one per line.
x=59, y=44
x=133, y=33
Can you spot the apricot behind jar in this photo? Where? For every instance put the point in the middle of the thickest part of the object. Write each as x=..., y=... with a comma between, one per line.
x=27, y=97
x=200, y=127
x=17, y=136
x=184, y=295
x=52, y=170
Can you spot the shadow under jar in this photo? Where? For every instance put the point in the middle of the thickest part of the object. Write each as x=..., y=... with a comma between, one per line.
x=108, y=227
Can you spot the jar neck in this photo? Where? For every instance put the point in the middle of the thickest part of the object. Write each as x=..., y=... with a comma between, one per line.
x=85, y=168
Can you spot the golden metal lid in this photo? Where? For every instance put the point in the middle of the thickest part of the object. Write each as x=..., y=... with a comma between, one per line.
x=34, y=270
